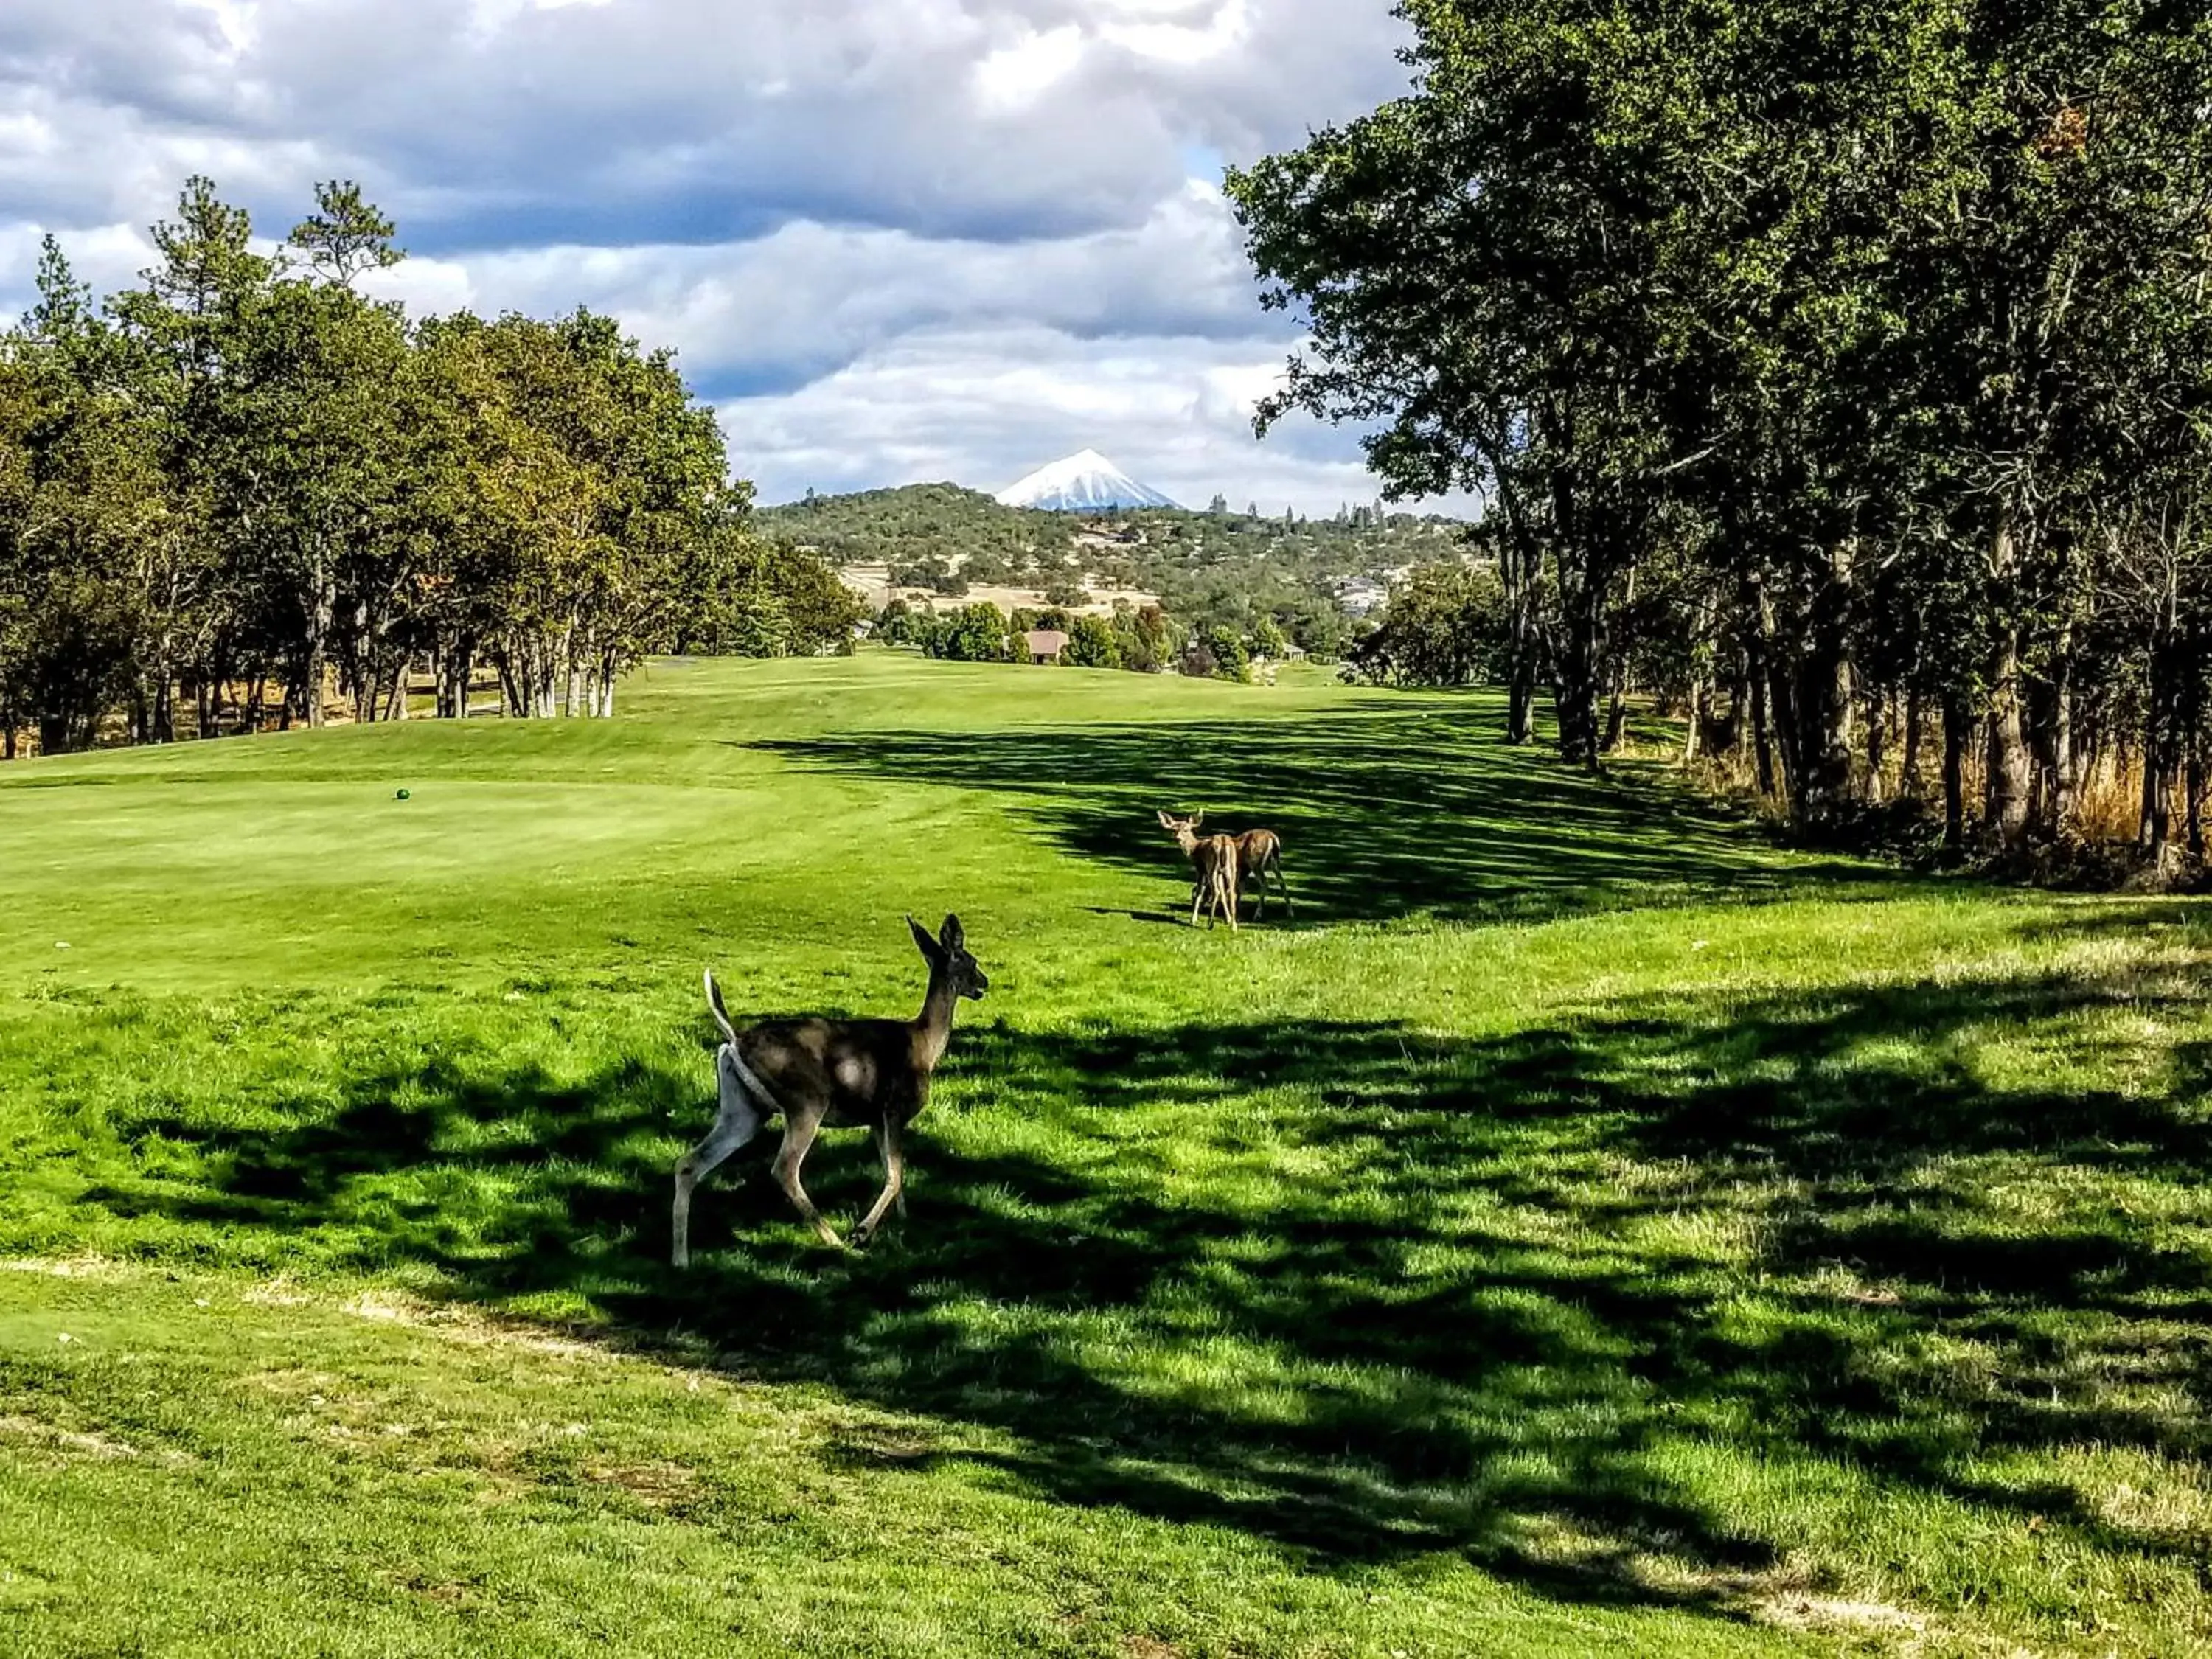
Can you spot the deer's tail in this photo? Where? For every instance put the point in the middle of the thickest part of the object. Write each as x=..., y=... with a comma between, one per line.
x=722, y=1014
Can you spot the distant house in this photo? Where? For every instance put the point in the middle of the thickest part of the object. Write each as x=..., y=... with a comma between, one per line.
x=1044, y=644
x=1362, y=595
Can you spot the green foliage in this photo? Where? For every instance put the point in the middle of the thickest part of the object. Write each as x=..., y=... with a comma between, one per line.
x=254, y=474
x=1856, y=354
x=1091, y=644
x=1208, y=568
x=779, y=601
x=1446, y=626
x=1218, y=653
x=899, y=623
x=917, y=527
x=973, y=633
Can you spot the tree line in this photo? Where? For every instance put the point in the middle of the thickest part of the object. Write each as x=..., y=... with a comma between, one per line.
x=245, y=485
x=1141, y=639
x=1841, y=371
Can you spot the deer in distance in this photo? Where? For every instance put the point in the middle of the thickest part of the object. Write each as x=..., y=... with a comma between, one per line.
x=829, y=1073
x=1217, y=861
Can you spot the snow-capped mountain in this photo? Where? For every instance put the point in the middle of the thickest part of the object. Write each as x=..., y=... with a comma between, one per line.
x=1087, y=482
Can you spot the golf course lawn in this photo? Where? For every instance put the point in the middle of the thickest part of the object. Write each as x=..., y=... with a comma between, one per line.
x=1583, y=1228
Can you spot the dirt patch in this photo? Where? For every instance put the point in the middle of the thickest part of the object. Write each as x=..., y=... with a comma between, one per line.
x=658, y=1486
x=873, y=582
x=470, y=1325
x=30, y=1432
x=1830, y=1615
x=446, y=1592
x=276, y=1293
x=74, y=1266
x=879, y=1448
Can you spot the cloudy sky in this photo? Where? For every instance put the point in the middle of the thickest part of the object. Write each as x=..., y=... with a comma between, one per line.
x=891, y=241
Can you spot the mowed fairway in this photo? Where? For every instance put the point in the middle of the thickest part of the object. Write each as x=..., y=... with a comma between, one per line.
x=1584, y=1229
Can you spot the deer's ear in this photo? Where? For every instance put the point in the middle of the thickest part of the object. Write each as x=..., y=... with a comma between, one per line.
x=950, y=936
x=1198, y=818
x=1166, y=823
x=922, y=938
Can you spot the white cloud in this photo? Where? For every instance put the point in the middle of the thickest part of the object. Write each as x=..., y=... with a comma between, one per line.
x=1014, y=77
x=983, y=407
x=927, y=237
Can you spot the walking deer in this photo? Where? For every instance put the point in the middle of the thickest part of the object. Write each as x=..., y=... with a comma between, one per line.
x=834, y=1075
x=1217, y=861
x=1260, y=853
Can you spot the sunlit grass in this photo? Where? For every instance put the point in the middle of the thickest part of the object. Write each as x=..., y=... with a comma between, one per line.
x=1585, y=1228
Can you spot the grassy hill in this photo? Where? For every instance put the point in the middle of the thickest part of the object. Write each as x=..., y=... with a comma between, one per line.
x=1583, y=1230
x=1227, y=568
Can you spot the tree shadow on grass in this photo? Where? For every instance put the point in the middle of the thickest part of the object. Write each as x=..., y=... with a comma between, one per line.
x=1382, y=813
x=1367, y=1294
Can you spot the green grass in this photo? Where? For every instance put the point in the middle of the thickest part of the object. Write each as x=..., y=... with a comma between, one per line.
x=1585, y=1229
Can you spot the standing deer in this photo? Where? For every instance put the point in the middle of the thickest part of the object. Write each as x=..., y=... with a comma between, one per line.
x=1260, y=852
x=830, y=1074
x=1218, y=863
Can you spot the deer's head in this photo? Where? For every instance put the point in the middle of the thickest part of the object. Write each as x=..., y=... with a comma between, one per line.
x=948, y=954
x=1185, y=831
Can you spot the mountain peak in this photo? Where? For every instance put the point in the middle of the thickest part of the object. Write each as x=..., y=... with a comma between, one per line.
x=1084, y=482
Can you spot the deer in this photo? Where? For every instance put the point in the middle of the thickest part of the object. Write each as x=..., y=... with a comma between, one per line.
x=821, y=1073
x=1218, y=863
x=1260, y=852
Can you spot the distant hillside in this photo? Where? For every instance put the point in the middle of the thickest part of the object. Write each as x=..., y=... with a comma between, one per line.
x=1206, y=567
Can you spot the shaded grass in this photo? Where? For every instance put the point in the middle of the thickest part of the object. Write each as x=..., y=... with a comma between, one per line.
x=1827, y=1270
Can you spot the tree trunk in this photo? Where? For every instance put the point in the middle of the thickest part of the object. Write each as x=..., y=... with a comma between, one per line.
x=321, y=603
x=1524, y=644
x=1577, y=668
x=2006, y=787
x=1762, y=736
x=1739, y=702
x=2191, y=692
x=2064, y=779
x=1789, y=744
x=1910, y=784
x=1954, y=772
x=1825, y=719
x=1877, y=743
x=1575, y=694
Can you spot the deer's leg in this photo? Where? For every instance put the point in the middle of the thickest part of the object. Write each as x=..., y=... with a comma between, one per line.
x=894, y=1192
x=799, y=1128
x=736, y=1122
x=885, y=1158
x=1259, y=894
x=1199, y=894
